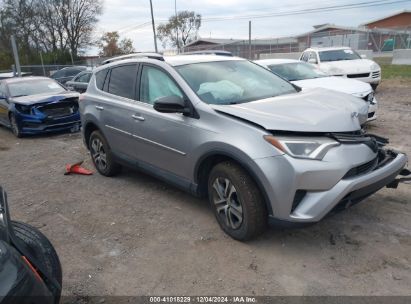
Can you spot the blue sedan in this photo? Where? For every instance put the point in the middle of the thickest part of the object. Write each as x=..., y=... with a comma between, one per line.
x=36, y=105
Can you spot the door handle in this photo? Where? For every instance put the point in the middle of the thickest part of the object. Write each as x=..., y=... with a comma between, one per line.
x=138, y=117
x=99, y=108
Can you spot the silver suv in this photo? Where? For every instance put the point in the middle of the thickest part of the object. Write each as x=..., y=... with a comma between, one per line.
x=262, y=149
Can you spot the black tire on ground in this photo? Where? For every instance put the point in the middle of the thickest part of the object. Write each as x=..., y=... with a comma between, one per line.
x=245, y=197
x=14, y=126
x=41, y=249
x=102, y=156
x=374, y=87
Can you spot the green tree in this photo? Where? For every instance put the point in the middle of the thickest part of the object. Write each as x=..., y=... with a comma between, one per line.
x=54, y=27
x=186, y=24
x=110, y=45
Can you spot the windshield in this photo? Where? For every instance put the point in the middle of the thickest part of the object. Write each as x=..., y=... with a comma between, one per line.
x=33, y=87
x=297, y=71
x=337, y=55
x=234, y=81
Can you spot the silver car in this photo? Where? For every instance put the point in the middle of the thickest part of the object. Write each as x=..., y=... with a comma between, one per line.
x=259, y=147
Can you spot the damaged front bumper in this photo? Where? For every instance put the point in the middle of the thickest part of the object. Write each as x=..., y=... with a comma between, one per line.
x=39, y=121
x=305, y=191
x=350, y=190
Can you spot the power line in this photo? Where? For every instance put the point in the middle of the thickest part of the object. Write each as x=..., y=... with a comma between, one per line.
x=308, y=11
x=364, y=4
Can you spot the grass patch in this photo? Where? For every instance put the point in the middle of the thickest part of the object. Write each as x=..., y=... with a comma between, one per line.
x=390, y=71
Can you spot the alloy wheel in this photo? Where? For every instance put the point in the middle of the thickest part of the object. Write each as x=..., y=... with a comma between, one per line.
x=99, y=154
x=227, y=203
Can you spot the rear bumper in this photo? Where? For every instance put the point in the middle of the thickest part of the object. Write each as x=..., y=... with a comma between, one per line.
x=31, y=124
x=305, y=191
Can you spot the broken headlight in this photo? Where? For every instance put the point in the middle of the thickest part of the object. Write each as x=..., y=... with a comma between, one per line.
x=300, y=147
x=370, y=98
x=23, y=108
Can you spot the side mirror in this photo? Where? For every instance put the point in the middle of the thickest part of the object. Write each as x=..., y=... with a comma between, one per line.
x=312, y=61
x=363, y=56
x=171, y=104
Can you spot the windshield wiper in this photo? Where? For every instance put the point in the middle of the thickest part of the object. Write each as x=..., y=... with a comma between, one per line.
x=20, y=95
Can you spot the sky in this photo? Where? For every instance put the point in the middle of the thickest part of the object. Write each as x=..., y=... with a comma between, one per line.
x=126, y=16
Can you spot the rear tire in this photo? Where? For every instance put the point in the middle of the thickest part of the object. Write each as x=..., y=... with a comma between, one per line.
x=14, y=126
x=102, y=156
x=236, y=201
x=42, y=250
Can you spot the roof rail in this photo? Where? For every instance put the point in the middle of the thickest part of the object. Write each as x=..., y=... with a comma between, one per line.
x=209, y=52
x=134, y=55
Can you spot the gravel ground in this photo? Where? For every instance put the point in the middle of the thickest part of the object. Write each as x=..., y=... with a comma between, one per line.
x=135, y=235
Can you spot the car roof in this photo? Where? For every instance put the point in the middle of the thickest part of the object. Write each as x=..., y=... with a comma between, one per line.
x=76, y=67
x=189, y=59
x=133, y=56
x=276, y=61
x=25, y=79
x=210, y=52
x=85, y=72
x=174, y=60
x=331, y=48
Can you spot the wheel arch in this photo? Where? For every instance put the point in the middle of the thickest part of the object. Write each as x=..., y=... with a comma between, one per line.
x=89, y=128
x=208, y=161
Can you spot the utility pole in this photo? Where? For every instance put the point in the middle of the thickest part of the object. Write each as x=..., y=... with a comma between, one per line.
x=15, y=55
x=249, y=40
x=154, y=27
x=42, y=63
x=175, y=10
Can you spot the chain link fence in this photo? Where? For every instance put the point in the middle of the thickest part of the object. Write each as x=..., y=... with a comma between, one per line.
x=378, y=41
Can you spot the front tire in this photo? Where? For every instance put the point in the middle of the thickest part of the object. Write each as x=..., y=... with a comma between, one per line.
x=236, y=201
x=102, y=156
x=42, y=250
x=14, y=126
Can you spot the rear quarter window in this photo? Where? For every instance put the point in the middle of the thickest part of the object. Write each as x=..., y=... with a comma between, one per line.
x=101, y=78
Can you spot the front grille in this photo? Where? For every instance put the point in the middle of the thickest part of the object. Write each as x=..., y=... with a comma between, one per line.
x=31, y=125
x=363, y=75
x=60, y=109
x=350, y=137
x=372, y=141
x=362, y=169
x=376, y=74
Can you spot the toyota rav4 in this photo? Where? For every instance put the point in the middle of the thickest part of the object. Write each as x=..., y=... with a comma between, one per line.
x=262, y=149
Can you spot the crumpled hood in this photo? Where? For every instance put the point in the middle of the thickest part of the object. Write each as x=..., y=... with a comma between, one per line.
x=43, y=98
x=311, y=110
x=357, y=66
x=340, y=84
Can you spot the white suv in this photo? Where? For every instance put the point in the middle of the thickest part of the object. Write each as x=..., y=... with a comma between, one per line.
x=343, y=61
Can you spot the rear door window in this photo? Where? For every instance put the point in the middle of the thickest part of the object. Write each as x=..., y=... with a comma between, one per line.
x=122, y=81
